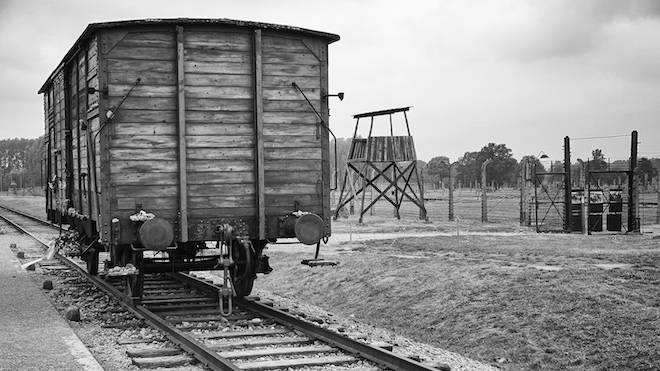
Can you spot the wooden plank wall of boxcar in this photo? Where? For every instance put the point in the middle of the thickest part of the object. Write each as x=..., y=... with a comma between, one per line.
x=49, y=145
x=220, y=123
x=93, y=121
x=143, y=134
x=220, y=131
x=73, y=108
x=294, y=140
x=83, y=111
x=56, y=137
x=67, y=107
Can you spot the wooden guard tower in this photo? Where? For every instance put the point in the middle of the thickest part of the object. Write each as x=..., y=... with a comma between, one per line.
x=382, y=161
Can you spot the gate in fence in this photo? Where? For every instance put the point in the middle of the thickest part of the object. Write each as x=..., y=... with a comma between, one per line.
x=551, y=203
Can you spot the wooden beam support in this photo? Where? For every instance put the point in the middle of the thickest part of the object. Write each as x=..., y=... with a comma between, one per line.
x=259, y=135
x=181, y=109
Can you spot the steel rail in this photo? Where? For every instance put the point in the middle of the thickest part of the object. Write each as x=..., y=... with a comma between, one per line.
x=374, y=354
x=202, y=353
x=21, y=229
x=33, y=218
x=103, y=285
x=42, y=221
x=211, y=358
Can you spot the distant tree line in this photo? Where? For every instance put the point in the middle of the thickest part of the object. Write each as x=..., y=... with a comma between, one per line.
x=504, y=170
x=20, y=162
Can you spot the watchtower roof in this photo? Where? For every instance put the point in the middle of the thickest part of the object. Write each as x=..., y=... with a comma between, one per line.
x=381, y=113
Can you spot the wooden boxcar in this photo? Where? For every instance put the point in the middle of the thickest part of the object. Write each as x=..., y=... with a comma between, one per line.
x=167, y=134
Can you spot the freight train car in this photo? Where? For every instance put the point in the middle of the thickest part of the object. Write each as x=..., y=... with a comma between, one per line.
x=168, y=138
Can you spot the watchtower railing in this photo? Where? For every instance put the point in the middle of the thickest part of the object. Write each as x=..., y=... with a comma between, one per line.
x=383, y=149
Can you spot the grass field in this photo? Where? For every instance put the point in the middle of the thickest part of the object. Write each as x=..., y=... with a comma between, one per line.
x=485, y=290
x=540, y=301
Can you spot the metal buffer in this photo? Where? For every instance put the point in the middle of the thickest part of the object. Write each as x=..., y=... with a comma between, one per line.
x=384, y=164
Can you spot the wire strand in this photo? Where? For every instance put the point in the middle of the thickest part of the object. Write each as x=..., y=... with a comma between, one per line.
x=603, y=137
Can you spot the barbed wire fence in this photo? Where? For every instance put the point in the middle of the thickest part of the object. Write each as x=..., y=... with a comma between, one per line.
x=503, y=207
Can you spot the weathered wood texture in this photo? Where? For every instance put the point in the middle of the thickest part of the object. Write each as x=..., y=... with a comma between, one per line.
x=134, y=153
x=81, y=109
x=68, y=108
x=57, y=138
x=220, y=135
x=383, y=149
x=143, y=135
x=292, y=132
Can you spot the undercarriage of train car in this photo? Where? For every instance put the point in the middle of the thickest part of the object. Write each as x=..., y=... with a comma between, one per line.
x=145, y=244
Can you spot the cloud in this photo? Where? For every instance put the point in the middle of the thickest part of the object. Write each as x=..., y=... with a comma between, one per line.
x=631, y=9
x=564, y=28
x=524, y=73
x=630, y=50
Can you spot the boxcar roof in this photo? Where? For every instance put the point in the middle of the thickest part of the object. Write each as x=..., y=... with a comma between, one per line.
x=183, y=21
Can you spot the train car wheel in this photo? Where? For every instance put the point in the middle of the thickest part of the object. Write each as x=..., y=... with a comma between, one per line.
x=242, y=276
x=243, y=286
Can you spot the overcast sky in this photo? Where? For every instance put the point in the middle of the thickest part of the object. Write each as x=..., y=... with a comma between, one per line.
x=522, y=73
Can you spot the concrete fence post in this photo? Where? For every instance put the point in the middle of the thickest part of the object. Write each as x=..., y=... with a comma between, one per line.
x=484, y=187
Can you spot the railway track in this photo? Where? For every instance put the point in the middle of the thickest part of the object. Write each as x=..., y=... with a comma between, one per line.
x=257, y=336
x=38, y=229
